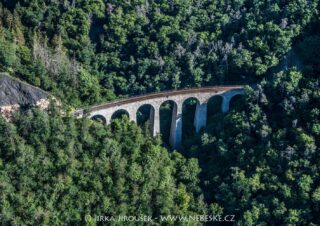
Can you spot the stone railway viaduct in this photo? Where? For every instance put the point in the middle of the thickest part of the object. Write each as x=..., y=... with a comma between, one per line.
x=155, y=100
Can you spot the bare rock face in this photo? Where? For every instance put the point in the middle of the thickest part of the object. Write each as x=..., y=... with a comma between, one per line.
x=15, y=94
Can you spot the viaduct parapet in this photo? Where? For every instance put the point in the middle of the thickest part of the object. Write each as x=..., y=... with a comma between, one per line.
x=155, y=100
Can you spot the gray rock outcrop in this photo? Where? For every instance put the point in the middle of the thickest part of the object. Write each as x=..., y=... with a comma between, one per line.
x=15, y=93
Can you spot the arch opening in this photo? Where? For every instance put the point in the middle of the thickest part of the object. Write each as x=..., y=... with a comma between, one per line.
x=166, y=111
x=189, y=107
x=237, y=102
x=214, y=106
x=118, y=114
x=145, y=117
x=99, y=118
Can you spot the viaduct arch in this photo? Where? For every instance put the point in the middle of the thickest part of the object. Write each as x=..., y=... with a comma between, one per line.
x=131, y=106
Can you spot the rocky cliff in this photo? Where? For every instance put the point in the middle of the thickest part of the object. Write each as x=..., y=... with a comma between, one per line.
x=15, y=94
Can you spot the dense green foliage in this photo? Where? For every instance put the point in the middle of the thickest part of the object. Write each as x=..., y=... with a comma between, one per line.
x=56, y=170
x=88, y=51
x=260, y=161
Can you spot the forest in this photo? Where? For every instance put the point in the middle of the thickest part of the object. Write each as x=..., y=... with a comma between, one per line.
x=259, y=162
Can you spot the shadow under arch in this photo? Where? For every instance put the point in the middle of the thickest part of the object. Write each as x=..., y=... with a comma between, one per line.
x=214, y=107
x=166, y=111
x=118, y=114
x=237, y=102
x=189, y=107
x=99, y=118
x=145, y=116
